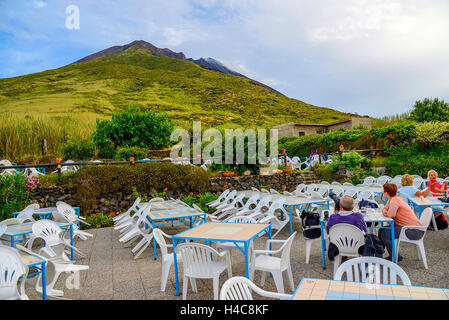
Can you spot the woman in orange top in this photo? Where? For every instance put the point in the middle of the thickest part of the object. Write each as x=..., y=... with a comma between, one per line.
x=397, y=209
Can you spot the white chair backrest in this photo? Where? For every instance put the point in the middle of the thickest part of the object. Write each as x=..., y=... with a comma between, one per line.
x=301, y=187
x=316, y=195
x=230, y=197
x=264, y=202
x=237, y=288
x=347, y=238
x=160, y=239
x=369, y=180
x=274, y=191
x=157, y=199
x=286, y=248
x=11, y=269
x=65, y=210
x=384, y=179
x=252, y=201
x=350, y=192
x=311, y=187
x=348, y=184
x=34, y=206
x=365, y=195
x=325, y=182
x=372, y=270
x=426, y=217
x=336, y=183
x=338, y=191
x=3, y=228
x=197, y=259
x=48, y=230
x=264, y=190
x=396, y=181
x=242, y=219
x=223, y=195
x=323, y=191
x=417, y=182
x=300, y=194
x=26, y=215
x=278, y=204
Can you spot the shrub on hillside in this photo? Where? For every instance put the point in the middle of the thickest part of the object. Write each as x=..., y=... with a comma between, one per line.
x=124, y=153
x=324, y=173
x=93, y=181
x=352, y=161
x=134, y=128
x=430, y=110
x=15, y=194
x=429, y=133
x=78, y=150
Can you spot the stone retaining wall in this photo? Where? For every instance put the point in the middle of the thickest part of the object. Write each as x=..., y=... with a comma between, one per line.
x=118, y=202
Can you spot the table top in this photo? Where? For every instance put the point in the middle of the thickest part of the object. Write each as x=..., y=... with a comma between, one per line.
x=174, y=213
x=165, y=205
x=224, y=231
x=48, y=210
x=29, y=259
x=359, y=188
x=370, y=216
x=25, y=228
x=322, y=289
x=428, y=201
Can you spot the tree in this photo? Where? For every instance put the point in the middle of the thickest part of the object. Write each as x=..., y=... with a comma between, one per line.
x=134, y=128
x=430, y=110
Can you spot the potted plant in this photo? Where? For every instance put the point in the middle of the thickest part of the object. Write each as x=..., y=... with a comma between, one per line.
x=228, y=173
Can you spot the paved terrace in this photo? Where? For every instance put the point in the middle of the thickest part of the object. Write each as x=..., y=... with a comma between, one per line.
x=114, y=274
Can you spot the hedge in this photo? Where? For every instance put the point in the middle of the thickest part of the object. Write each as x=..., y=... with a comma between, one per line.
x=91, y=182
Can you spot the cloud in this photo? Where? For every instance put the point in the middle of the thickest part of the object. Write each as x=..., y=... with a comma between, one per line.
x=368, y=56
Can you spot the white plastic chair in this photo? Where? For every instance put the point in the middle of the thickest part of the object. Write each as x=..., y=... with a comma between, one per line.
x=336, y=183
x=270, y=217
x=247, y=208
x=7, y=163
x=127, y=214
x=325, y=183
x=261, y=207
x=54, y=252
x=199, y=220
x=231, y=208
x=230, y=245
x=272, y=191
x=26, y=215
x=202, y=262
x=384, y=179
x=338, y=191
x=348, y=239
x=300, y=194
x=228, y=200
x=372, y=270
x=350, y=192
x=13, y=272
x=310, y=188
x=264, y=190
x=425, y=219
x=66, y=213
x=167, y=258
x=369, y=180
x=265, y=261
x=239, y=288
x=301, y=187
x=348, y=184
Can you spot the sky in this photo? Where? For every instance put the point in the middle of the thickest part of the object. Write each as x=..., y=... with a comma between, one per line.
x=370, y=57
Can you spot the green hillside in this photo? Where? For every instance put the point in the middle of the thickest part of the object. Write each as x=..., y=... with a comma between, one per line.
x=180, y=88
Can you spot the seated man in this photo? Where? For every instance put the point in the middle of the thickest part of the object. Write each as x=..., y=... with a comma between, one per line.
x=346, y=215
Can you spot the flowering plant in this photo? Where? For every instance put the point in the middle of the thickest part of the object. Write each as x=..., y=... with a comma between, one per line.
x=31, y=182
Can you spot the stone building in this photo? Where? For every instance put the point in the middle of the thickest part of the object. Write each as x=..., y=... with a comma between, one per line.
x=303, y=129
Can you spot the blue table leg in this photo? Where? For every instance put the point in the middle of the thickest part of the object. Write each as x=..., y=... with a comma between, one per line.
x=393, y=242
x=323, y=245
x=291, y=220
x=246, y=259
x=12, y=241
x=175, y=261
x=191, y=223
x=154, y=242
x=44, y=282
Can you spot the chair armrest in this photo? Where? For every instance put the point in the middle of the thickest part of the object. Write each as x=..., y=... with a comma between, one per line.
x=22, y=248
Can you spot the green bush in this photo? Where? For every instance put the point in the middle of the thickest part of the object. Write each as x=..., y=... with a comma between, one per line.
x=200, y=200
x=429, y=133
x=134, y=128
x=99, y=219
x=15, y=194
x=93, y=181
x=324, y=173
x=351, y=160
x=430, y=110
x=78, y=150
x=124, y=153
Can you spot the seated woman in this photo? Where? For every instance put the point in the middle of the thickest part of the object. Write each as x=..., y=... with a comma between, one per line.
x=437, y=190
x=397, y=209
x=409, y=190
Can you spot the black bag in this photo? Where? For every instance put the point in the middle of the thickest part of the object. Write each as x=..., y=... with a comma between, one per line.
x=373, y=246
x=308, y=220
x=368, y=204
x=441, y=222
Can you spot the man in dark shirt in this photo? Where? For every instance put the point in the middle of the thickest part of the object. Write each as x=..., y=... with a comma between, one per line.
x=346, y=215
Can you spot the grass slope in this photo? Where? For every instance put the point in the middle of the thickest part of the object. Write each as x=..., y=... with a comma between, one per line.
x=180, y=88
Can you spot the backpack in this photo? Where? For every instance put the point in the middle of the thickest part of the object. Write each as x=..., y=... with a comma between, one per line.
x=368, y=204
x=441, y=222
x=310, y=219
x=373, y=246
